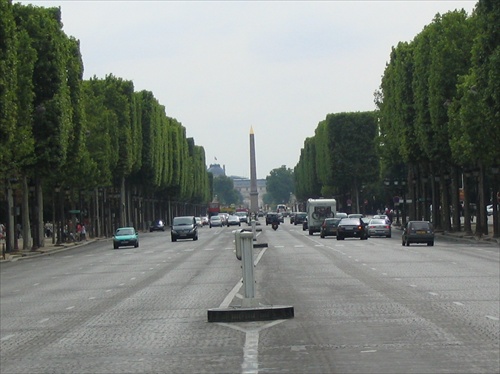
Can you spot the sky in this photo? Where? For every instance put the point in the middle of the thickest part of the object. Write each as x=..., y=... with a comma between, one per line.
x=223, y=67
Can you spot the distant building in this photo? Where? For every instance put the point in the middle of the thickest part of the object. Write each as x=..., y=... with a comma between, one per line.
x=242, y=185
x=216, y=170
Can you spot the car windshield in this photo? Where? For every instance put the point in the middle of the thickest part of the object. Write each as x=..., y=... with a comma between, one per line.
x=377, y=222
x=215, y=218
x=181, y=221
x=350, y=221
x=125, y=231
x=332, y=221
x=420, y=226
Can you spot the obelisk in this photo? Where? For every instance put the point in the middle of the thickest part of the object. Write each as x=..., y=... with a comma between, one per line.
x=254, y=194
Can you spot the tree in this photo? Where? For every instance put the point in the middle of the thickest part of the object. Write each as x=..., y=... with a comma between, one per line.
x=224, y=189
x=280, y=185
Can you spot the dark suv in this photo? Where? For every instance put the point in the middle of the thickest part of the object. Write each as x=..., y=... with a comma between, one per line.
x=158, y=225
x=270, y=217
x=418, y=232
x=184, y=228
x=352, y=228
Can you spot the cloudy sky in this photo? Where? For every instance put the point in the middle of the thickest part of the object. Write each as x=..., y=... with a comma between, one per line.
x=221, y=67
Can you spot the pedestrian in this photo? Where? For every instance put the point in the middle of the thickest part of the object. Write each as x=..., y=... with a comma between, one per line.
x=19, y=230
x=83, y=232
x=2, y=231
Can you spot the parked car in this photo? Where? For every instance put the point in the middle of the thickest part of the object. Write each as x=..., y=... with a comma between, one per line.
x=351, y=228
x=233, y=220
x=379, y=227
x=489, y=209
x=184, y=227
x=158, y=225
x=125, y=236
x=329, y=227
x=299, y=218
x=418, y=232
x=215, y=221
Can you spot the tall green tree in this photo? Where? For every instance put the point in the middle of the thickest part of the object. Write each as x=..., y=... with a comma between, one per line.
x=280, y=185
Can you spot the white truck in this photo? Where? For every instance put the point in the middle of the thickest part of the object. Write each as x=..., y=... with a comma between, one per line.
x=317, y=211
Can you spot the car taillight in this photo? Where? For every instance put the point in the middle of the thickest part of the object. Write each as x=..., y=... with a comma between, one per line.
x=372, y=227
x=387, y=227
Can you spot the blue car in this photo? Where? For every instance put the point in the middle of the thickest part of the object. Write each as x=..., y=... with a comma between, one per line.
x=126, y=236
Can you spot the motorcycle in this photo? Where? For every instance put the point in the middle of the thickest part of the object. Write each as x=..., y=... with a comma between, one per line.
x=275, y=226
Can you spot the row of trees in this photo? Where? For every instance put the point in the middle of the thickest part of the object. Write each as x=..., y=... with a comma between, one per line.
x=340, y=160
x=436, y=132
x=59, y=132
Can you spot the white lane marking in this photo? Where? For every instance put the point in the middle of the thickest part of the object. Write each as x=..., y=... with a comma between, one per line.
x=384, y=273
x=227, y=300
x=36, y=284
x=70, y=307
x=279, y=246
x=298, y=246
x=132, y=278
x=433, y=293
x=369, y=351
x=458, y=303
x=108, y=290
x=251, y=353
x=122, y=284
x=43, y=320
x=413, y=285
x=92, y=298
x=6, y=337
x=250, y=364
x=492, y=318
x=397, y=279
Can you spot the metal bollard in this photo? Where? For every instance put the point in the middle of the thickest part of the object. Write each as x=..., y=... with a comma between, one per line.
x=244, y=241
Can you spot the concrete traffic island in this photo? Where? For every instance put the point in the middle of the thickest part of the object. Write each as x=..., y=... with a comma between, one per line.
x=258, y=313
x=251, y=309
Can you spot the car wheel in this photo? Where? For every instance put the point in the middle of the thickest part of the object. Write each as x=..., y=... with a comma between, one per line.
x=196, y=237
x=150, y=230
x=322, y=236
x=407, y=243
x=136, y=245
x=403, y=243
x=430, y=244
x=388, y=236
x=115, y=246
x=174, y=239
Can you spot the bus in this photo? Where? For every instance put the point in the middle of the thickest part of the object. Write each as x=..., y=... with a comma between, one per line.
x=317, y=211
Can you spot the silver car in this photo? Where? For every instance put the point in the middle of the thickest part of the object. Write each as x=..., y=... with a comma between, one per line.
x=379, y=227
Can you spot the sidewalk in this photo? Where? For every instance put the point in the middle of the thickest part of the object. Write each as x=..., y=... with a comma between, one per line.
x=48, y=248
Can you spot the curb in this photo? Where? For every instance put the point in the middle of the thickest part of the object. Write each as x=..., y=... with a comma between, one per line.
x=20, y=255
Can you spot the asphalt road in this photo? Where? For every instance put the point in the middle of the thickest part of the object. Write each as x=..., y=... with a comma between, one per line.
x=360, y=307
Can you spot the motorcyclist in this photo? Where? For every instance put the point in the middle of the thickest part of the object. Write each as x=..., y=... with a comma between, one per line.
x=275, y=220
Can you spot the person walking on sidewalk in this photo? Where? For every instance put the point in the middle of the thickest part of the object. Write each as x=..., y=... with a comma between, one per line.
x=83, y=232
